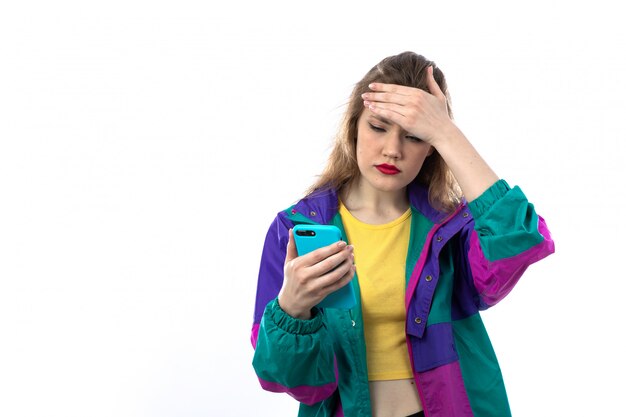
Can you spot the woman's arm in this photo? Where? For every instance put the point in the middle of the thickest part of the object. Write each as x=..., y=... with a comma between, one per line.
x=294, y=356
x=291, y=355
x=469, y=168
x=505, y=238
x=507, y=235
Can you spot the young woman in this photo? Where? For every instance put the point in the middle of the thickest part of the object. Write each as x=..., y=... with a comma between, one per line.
x=433, y=237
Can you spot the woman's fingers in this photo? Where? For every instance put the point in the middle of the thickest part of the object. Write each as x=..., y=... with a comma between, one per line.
x=395, y=98
x=389, y=111
x=400, y=94
x=331, y=262
x=327, y=271
x=401, y=90
x=292, y=253
x=395, y=93
x=418, y=112
x=337, y=278
x=311, y=277
x=318, y=255
x=395, y=103
x=433, y=86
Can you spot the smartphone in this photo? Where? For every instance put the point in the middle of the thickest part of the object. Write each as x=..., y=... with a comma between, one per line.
x=309, y=237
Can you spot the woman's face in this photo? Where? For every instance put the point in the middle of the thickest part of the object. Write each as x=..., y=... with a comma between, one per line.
x=388, y=158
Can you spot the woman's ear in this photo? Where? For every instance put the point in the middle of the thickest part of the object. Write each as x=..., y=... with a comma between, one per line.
x=430, y=151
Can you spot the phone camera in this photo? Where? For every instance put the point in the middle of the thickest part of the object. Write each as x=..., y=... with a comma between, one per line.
x=305, y=233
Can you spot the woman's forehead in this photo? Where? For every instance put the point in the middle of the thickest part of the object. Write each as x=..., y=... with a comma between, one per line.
x=367, y=113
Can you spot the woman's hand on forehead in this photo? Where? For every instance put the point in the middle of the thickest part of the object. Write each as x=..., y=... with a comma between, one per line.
x=422, y=114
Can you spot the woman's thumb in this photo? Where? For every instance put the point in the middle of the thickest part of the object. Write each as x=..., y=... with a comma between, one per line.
x=292, y=252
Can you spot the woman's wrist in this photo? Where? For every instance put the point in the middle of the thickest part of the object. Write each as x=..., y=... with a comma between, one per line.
x=446, y=136
x=291, y=311
x=470, y=170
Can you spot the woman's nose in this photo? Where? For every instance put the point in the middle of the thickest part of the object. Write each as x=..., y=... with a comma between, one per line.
x=392, y=148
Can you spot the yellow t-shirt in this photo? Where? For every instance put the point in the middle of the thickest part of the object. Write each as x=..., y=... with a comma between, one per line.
x=380, y=257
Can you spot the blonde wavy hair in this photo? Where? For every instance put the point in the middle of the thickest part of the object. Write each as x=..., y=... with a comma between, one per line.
x=341, y=171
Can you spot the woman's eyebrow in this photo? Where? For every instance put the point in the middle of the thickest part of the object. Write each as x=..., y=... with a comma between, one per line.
x=382, y=119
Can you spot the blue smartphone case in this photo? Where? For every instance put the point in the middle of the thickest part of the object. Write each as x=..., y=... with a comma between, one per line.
x=309, y=237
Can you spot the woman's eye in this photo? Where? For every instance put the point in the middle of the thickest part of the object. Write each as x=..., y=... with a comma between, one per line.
x=376, y=128
x=414, y=139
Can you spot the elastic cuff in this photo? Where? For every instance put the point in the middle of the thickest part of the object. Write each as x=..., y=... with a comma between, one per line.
x=488, y=198
x=292, y=325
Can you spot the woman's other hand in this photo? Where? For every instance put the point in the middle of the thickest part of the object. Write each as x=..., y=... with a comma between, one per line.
x=311, y=277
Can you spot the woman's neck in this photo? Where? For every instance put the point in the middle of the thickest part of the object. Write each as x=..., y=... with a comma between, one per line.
x=374, y=206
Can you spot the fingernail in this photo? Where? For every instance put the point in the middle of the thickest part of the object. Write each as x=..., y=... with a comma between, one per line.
x=372, y=86
x=341, y=244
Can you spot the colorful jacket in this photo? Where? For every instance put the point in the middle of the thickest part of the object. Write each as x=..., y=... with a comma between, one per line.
x=457, y=265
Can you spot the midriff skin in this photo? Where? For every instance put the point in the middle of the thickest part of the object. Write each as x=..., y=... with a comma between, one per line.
x=395, y=398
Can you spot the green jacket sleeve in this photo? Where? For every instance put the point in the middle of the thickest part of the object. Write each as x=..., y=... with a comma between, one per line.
x=295, y=356
x=507, y=236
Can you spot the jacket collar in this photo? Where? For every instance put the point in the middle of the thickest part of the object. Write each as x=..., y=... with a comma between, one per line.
x=322, y=205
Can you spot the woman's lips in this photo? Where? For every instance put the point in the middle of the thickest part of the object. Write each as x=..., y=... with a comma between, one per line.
x=387, y=169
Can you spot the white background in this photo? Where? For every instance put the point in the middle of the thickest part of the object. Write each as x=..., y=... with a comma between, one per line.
x=146, y=146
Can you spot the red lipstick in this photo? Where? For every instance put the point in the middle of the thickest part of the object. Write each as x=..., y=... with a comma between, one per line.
x=387, y=169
